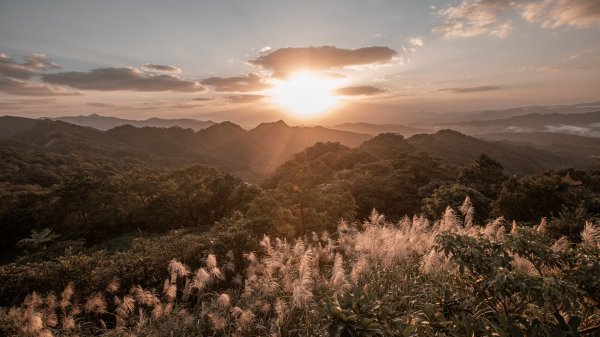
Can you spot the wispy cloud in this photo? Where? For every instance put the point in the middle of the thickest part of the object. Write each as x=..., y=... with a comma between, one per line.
x=417, y=41
x=471, y=18
x=16, y=104
x=471, y=89
x=161, y=68
x=558, y=13
x=244, y=98
x=476, y=17
x=362, y=90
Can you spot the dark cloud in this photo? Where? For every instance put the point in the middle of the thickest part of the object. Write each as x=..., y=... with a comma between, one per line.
x=160, y=67
x=202, y=99
x=25, y=70
x=250, y=82
x=16, y=86
x=362, y=90
x=471, y=89
x=244, y=98
x=108, y=79
x=285, y=60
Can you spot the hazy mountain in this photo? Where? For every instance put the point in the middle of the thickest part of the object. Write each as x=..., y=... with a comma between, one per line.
x=270, y=144
x=551, y=142
x=375, y=129
x=542, y=110
x=106, y=122
x=582, y=124
x=457, y=148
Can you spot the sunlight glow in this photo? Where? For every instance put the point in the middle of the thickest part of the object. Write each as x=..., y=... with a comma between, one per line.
x=305, y=94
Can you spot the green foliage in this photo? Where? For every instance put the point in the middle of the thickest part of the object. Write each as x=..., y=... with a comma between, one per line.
x=453, y=196
x=291, y=211
x=520, y=276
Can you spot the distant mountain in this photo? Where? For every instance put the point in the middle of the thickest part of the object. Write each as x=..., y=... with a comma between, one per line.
x=375, y=129
x=582, y=124
x=226, y=145
x=542, y=110
x=105, y=122
x=457, y=148
x=551, y=142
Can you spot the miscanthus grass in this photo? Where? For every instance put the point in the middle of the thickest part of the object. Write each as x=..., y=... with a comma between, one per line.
x=277, y=291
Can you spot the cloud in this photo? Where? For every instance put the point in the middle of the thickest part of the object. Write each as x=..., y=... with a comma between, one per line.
x=250, y=82
x=502, y=30
x=416, y=41
x=470, y=89
x=202, y=99
x=557, y=13
x=363, y=90
x=102, y=105
x=16, y=86
x=471, y=17
x=475, y=17
x=286, y=60
x=244, y=98
x=160, y=67
x=17, y=104
x=25, y=70
x=140, y=107
x=109, y=79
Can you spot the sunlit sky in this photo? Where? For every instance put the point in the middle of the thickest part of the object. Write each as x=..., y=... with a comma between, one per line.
x=237, y=60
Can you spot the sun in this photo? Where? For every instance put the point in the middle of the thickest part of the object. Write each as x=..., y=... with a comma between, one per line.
x=305, y=94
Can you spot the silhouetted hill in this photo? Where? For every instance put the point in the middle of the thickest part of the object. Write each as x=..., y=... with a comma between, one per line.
x=583, y=124
x=67, y=138
x=10, y=126
x=375, y=129
x=551, y=142
x=106, y=122
x=457, y=148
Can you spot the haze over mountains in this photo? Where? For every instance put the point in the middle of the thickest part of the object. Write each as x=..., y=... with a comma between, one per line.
x=583, y=124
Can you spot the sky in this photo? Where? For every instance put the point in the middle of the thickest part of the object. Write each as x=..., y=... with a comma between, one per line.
x=240, y=60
